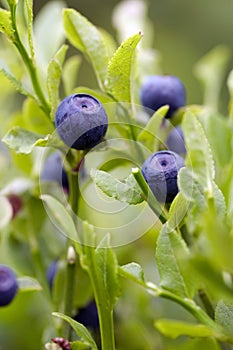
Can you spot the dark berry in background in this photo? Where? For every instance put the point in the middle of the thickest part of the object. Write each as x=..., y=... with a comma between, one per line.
x=81, y=121
x=88, y=316
x=160, y=90
x=8, y=285
x=16, y=203
x=53, y=170
x=175, y=141
x=160, y=171
x=51, y=272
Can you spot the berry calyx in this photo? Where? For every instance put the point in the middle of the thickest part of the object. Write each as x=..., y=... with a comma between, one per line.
x=160, y=171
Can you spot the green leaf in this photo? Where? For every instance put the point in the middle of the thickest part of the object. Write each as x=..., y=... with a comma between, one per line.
x=60, y=217
x=109, y=41
x=190, y=188
x=177, y=211
x=52, y=140
x=29, y=7
x=173, y=329
x=28, y=284
x=133, y=271
x=106, y=270
x=119, y=79
x=171, y=252
x=148, y=136
x=200, y=343
x=212, y=277
x=80, y=330
x=219, y=201
x=199, y=158
x=211, y=72
x=21, y=140
x=193, y=191
x=70, y=73
x=125, y=191
x=5, y=212
x=12, y=2
x=88, y=39
x=219, y=135
x=6, y=24
x=224, y=316
x=18, y=85
x=48, y=33
x=53, y=78
x=35, y=119
x=78, y=345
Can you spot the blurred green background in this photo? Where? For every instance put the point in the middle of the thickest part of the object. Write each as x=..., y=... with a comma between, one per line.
x=183, y=31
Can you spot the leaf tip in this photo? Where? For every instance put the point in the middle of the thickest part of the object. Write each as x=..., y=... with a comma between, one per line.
x=135, y=170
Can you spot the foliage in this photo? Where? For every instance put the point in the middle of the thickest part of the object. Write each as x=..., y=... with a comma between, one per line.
x=176, y=280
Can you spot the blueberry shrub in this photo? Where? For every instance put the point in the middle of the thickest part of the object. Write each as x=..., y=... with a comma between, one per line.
x=116, y=204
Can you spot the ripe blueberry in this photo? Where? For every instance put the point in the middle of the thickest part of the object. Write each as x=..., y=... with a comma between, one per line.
x=8, y=285
x=88, y=316
x=160, y=171
x=81, y=121
x=175, y=141
x=160, y=90
x=54, y=171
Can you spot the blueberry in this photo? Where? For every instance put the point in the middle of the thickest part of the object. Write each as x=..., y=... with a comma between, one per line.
x=88, y=316
x=54, y=171
x=160, y=171
x=160, y=90
x=51, y=272
x=81, y=121
x=8, y=285
x=175, y=141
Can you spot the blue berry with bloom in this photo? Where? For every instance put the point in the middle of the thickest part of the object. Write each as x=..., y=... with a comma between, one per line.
x=175, y=141
x=81, y=121
x=160, y=171
x=53, y=170
x=51, y=273
x=88, y=316
x=159, y=90
x=8, y=285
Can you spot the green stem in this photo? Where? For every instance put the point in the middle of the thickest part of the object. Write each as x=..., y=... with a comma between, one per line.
x=74, y=193
x=129, y=120
x=104, y=307
x=71, y=255
x=134, y=137
x=186, y=236
x=29, y=64
x=188, y=304
x=105, y=314
x=206, y=302
x=69, y=289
